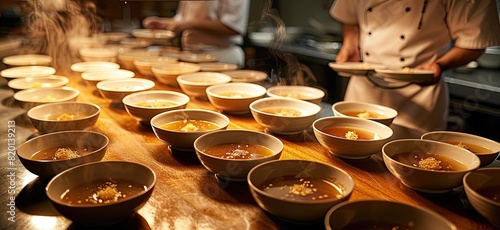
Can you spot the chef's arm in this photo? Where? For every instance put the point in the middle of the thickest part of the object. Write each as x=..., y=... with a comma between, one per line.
x=350, y=44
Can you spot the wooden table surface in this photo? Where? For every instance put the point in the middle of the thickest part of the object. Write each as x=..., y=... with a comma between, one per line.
x=186, y=195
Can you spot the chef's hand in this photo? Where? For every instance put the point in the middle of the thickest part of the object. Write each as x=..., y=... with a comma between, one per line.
x=433, y=66
x=348, y=53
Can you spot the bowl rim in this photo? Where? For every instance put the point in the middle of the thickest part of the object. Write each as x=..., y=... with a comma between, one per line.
x=89, y=74
x=166, y=113
x=187, y=66
x=270, y=91
x=200, y=151
x=244, y=84
x=62, y=79
x=468, y=169
x=12, y=72
x=256, y=75
x=89, y=104
x=75, y=93
x=106, y=138
x=466, y=135
x=166, y=92
x=149, y=187
x=84, y=66
x=385, y=127
x=254, y=187
x=347, y=202
x=221, y=78
x=147, y=84
x=340, y=103
x=474, y=192
x=316, y=108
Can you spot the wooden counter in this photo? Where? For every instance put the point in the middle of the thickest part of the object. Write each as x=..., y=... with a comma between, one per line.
x=186, y=195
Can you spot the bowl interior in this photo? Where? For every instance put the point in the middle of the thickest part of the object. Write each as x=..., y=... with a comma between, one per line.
x=107, y=74
x=343, y=125
x=39, y=82
x=236, y=91
x=125, y=85
x=284, y=107
x=246, y=75
x=188, y=114
x=64, y=111
x=27, y=71
x=363, y=110
x=203, y=78
x=297, y=92
x=47, y=94
x=482, y=179
x=155, y=99
x=473, y=143
x=93, y=65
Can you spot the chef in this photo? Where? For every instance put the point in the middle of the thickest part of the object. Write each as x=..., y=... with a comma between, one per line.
x=216, y=26
x=426, y=34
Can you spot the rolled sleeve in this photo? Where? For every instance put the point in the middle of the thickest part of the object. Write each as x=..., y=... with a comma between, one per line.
x=345, y=11
x=234, y=14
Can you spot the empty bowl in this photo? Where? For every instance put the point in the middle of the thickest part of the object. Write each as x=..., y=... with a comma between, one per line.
x=230, y=154
x=350, y=137
x=38, y=82
x=101, y=193
x=50, y=154
x=195, y=84
x=30, y=98
x=299, y=190
x=305, y=93
x=383, y=214
x=118, y=89
x=482, y=188
x=487, y=150
x=428, y=166
x=145, y=105
x=374, y=112
x=167, y=73
x=284, y=115
x=180, y=128
x=234, y=98
x=63, y=116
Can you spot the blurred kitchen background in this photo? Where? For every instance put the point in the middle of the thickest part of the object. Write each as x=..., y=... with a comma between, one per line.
x=311, y=41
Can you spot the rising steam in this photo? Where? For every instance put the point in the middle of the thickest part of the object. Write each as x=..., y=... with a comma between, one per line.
x=56, y=28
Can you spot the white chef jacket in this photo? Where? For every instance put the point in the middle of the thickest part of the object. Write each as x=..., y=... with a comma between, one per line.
x=396, y=33
x=232, y=13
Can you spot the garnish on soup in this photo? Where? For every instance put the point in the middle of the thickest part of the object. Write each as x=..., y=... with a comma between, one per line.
x=234, y=94
x=351, y=133
x=190, y=126
x=282, y=111
x=363, y=114
x=156, y=103
x=293, y=188
x=62, y=153
x=471, y=147
x=238, y=151
x=429, y=161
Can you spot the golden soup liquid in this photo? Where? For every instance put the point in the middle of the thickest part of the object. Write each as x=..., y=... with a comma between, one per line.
x=238, y=151
x=190, y=126
x=64, y=116
x=430, y=161
x=376, y=225
x=302, y=189
x=300, y=96
x=351, y=133
x=62, y=153
x=234, y=94
x=363, y=114
x=471, y=147
x=157, y=103
x=102, y=191
x=491, y=192
x=282, y=111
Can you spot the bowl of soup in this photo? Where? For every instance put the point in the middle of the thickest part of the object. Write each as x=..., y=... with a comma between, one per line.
x=428, y=166
x=383, y=214
x=299, y=190
x=29, y=98
x=374, y=112
x=27, y=71
x=63, y=116
x=284, y=115
x=230, y=154
x=306, y=93
x=351, y=137
x=167, y=73
x=126, y=58
x=101, y=193
x=196, y=84
x=482, y=188
x=487, y=150
x=180, y=128
x=246, y=75
x=49, y=154
x=38, y=82
x=144, y=64
x=234, y=98
x=117, y=89
x=98, y=54
x=81, y=67
x=145, y=105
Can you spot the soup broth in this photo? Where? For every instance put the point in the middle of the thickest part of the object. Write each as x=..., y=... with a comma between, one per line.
x=156, y=103
x=102, y=191
x=62, y=153
x=430, y=161
x=282, y=111
x=234, y=94
x=351, y=133
x=471, y=147
x=376, y=225
x=65, y=116
x=363, y=114
x=238, y=151
x=302, y=189
x=300, y=96
x=491, y=192
x=190, y=126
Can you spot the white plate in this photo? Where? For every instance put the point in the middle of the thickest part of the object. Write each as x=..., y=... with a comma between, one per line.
x=347, y=69
x=217, y=66
x=410, y=75
x=93, y=65
x=39, y=82
x=146, y=33
x=198, y=57
x=27, y=59
x=27, y=71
